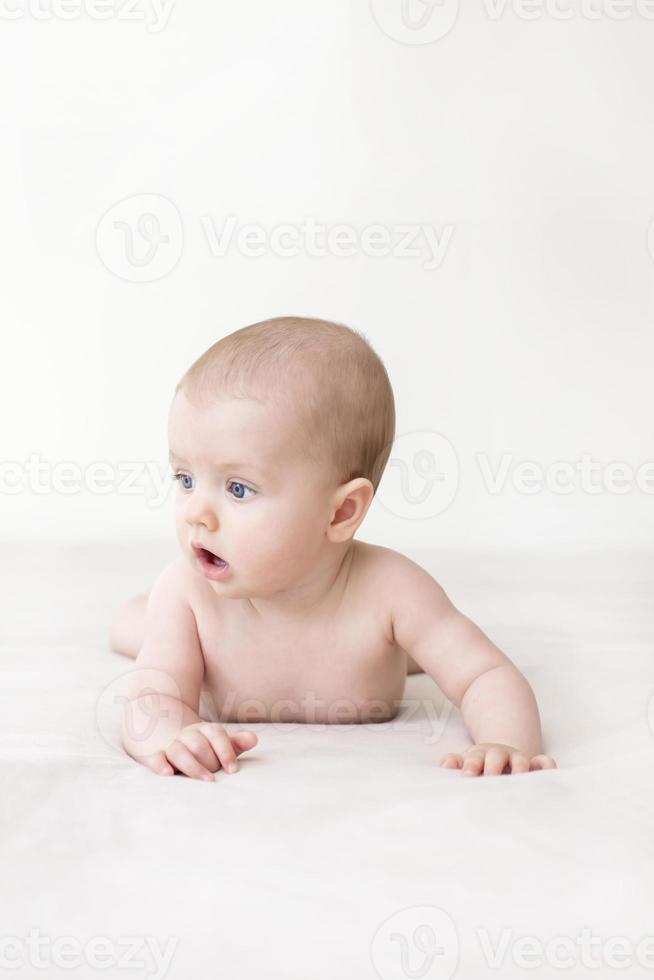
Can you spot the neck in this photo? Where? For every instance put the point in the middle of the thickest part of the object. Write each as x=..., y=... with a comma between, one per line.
x=316, y=593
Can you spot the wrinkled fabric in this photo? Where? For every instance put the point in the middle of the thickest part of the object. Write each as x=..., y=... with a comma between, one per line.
x=335, y=851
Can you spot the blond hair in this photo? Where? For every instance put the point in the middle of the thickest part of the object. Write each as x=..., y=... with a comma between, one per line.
x=327, y=374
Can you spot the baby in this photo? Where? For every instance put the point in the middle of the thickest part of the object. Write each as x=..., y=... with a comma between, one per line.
x=279, y=434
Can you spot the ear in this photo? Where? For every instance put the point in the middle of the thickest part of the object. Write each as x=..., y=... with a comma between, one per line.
x=350, y=505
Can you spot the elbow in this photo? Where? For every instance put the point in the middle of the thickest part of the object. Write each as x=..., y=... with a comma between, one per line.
x=505, y=665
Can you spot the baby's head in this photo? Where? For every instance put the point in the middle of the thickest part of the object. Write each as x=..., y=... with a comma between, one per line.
x=279, y=434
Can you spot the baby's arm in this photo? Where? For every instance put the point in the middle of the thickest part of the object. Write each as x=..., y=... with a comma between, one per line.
x=496, y=702
x=161, y=727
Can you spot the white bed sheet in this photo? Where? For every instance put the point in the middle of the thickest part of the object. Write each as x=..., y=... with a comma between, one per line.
x=336, y=851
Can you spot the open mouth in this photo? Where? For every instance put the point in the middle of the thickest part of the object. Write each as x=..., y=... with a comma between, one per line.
x=206, y=556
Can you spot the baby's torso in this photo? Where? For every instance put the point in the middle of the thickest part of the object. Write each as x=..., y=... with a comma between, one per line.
x=339, y=668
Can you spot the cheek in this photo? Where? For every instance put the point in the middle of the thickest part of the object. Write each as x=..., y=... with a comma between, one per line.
x=182, y=528
x=280, y=535
x=294, y=535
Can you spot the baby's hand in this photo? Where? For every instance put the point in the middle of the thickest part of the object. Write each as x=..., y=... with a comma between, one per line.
x=201, y=749
x=492, y=758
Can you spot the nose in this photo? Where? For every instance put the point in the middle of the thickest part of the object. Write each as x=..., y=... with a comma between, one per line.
x=200, y=510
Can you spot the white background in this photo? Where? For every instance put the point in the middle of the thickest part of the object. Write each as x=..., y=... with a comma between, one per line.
x=531, y=139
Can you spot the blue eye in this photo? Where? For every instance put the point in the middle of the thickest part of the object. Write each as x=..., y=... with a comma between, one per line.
x=241, y=487
x=182, y=477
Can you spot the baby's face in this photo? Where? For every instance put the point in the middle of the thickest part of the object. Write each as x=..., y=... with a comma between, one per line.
x=244, y=491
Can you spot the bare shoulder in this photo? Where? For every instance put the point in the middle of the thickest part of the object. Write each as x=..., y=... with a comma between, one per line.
x=402, y=585
x=195, y=590
x=175, y=583
x=175, y=574
x=189, y=585
x=385, y=565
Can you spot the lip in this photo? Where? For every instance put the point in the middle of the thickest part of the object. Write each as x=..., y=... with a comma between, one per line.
x=207, y=567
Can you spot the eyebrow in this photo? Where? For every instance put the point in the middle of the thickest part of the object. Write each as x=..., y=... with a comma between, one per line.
x=225, y=466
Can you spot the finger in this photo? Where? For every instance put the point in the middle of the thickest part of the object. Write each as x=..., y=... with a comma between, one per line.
x=519, y=762
x=221, y=743
x=452, y=761
x=184, y=760
x=473, y=763
x=496, y=760
x=243, y=740
x=542, y=762
x=200, y=747
x=157, y=763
